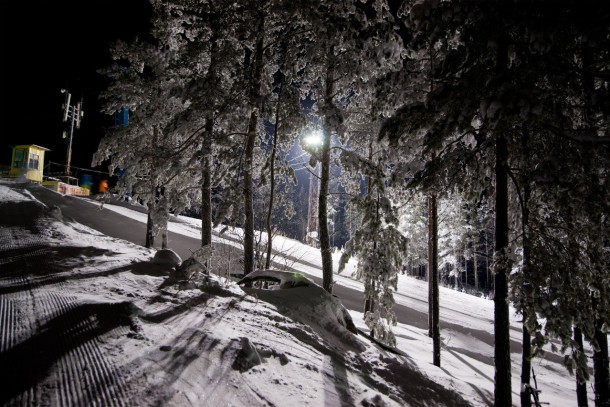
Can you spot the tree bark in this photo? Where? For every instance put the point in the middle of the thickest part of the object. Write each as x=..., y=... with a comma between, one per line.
x=430, y=267
x=502, y=393
x=433, y=250
x=206, y=158
x=165, y=231
x=248, y=197
x=526, y=356
x=581, y=383
x=526, y=366
x=206, y=185
x=487, y=278
x=249, y=149
x=433, y=280
x=369, y=302
x=272, y=174
x=600, y=364
x=475, y=242
x=465, y=271
x=325, y=249
x=150, y=236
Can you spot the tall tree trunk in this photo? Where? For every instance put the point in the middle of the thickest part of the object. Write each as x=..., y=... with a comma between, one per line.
x=206, y=184
x=581, y=383
x=433, y=306
x=369, y=305
x=600, y=361
x=325, y=249
x=249, y=149
x=164, y=228
x=272, y=173
x=154, y=200
x=164, y=238
x=502, y=394
x=248, y=196
x=465, y=272
x=601, y=364
x=433, y=268
x=502, y=379
x=487, y=278
x=206, y=157
x=150, y=235
x=475, y=242
x=526, y=366
x=574, y=249
x=369, y=302
x=430, y=268
x=526, y=356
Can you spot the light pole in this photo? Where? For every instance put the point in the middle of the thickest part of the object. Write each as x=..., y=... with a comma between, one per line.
x=312, y=209
x=74, y=113
x=312, y=141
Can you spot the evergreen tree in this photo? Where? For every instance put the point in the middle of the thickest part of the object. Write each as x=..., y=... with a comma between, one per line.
x=204, y=38
x=501, y=73
x=378, y=245
x=143, y=152
x=348, y=31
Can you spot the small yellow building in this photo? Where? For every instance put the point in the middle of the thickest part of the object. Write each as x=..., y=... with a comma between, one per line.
x=28, y=162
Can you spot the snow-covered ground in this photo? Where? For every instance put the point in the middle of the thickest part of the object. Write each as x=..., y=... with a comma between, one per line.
x=88, y=319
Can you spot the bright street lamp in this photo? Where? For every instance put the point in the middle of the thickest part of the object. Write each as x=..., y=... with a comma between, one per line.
x=313, y=139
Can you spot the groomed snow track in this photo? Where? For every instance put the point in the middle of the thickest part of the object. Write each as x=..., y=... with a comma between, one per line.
x=50, y=341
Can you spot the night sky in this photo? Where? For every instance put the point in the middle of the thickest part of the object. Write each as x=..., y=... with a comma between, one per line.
x=49, y=45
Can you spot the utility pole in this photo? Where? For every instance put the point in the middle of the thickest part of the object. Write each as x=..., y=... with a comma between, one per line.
x=74, y=113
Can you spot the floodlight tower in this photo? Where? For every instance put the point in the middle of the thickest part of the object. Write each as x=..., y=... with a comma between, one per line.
x=312, y=141
x=312, y=207
x=75, y=114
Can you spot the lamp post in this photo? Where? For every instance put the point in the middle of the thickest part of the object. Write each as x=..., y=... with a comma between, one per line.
x=312, y=209
x=74, y=113
x=312, y=141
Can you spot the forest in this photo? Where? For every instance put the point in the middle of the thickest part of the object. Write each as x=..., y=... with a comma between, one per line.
x=464, y=142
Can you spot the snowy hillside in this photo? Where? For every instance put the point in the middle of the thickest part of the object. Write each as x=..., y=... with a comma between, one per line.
x=89, y=319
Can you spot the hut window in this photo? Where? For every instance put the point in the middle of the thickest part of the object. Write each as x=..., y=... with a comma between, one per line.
x=20, y=158
x=33, y=161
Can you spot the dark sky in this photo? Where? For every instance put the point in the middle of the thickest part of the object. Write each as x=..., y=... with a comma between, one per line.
x=49, y=45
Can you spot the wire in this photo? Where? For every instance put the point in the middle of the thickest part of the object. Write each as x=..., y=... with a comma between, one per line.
x=83, y=169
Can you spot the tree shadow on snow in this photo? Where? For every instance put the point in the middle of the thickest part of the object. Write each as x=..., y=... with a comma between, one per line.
x=43, y=259
x=416, y=389
x=28, y=363
x=169, y=363
x=32, y=277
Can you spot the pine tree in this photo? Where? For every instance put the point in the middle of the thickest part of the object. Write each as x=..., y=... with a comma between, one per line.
x=378, y=246
x=500, y=72
x=143, y=151
x=340, y=32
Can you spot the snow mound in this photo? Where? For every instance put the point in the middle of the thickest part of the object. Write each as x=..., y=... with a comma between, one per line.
x=304, y=301
x=167, y=257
